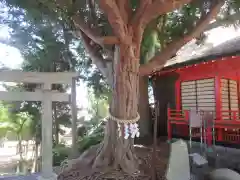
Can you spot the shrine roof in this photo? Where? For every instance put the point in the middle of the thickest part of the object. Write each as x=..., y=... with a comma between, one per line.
x=226, y=49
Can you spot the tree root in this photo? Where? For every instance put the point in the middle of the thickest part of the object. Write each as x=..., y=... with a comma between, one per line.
x=82, y=169
x=113, y=159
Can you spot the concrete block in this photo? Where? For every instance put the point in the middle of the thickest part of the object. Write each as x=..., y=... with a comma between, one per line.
x=223, y=174
x=178, y=168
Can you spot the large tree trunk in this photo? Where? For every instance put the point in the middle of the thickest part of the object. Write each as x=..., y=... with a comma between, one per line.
x=116, y=151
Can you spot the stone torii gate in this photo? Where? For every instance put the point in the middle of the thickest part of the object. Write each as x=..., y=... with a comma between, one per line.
x=46, y=96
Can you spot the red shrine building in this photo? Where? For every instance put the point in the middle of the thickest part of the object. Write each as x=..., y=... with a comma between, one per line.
x=210, y=82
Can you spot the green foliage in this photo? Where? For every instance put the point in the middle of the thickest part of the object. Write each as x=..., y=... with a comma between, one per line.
x=3, y=113
x=60, y=153
x=3, y=119
x=95, y=80
x=92, y=131
x=134, y=4
x=98, y=104
x=88, y=141
x=17, y=123
x=33, y=109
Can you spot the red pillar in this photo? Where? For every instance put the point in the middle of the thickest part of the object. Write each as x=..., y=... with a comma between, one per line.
x=209, y=136
x=178, y=94
x=218, y=98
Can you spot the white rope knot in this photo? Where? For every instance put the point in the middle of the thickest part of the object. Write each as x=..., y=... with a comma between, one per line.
x=124, y=121
x=127, y=127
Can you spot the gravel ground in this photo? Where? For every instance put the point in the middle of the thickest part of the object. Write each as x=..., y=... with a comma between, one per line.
x=220, y=157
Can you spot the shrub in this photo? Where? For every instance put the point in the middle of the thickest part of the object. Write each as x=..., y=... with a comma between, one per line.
x=60, y=153
x=94, y=136
x=88, y=141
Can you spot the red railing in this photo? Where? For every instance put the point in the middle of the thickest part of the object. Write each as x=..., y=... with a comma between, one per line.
x=229, y=115
x=231, y=137
x=227, y=126
x=178, y=115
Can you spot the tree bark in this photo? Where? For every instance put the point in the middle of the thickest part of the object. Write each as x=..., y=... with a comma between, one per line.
x=116, y=151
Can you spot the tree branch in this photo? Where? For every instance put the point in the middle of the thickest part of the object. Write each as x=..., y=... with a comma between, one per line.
x=93, y=35
x=113, y=14
x=95, y=55
x=124, y=9
x=81, y=25
x=93, y=51
x=149, y=11
x=158, y=62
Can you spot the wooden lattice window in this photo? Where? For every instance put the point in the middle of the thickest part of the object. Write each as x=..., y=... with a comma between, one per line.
x=198, y=94
x=229, y=94
x=188, y=95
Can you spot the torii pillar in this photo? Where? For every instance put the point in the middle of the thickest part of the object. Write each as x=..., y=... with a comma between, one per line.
x=47, y=124
x=46, y=96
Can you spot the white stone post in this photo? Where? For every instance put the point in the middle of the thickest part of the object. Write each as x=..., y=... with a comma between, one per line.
x=47, y=168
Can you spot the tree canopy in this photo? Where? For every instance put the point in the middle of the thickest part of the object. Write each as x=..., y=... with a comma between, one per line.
x=89, y=22
x=65, y=14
